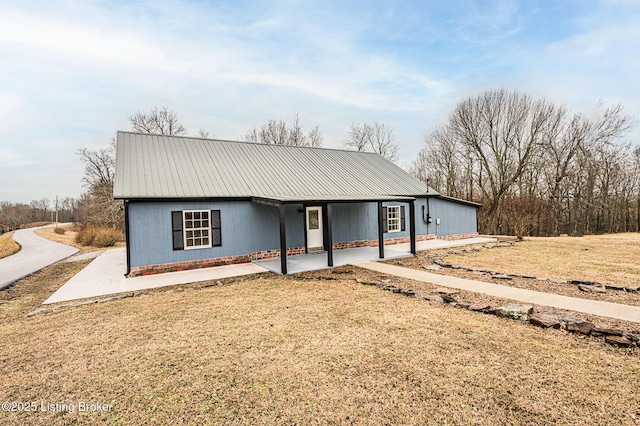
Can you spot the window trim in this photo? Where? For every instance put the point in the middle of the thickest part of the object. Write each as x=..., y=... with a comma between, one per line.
x=396, y=221
x=201, y=228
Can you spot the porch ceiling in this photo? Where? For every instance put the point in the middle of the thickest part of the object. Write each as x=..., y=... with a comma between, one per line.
x=285, y=199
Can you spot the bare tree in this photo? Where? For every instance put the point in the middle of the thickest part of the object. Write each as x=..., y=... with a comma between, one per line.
x=315, y=138
x=278, y=133
x=97, y=205
x=202, y=133
x=159, y=121
x=533, y=165
x=99, y=165
x=359, y=137
x=14, y=215
x=376, y=137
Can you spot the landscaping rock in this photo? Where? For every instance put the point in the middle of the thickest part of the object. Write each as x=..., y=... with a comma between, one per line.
x=582, y=282
x=632, y=288
x=530, y=277
x=478, y=307
x=478, y=272
x=579, y=326
x=434, y=298
x=545, y=321
x=556, y=281
x=615, y=287
x=396, y=290
x=635, y=339
x=36, y=312
x=455, y=266
x=408, y=292
x=592, y=288
x=365, y=282
x=620, y=341
x=515, y=311
x=447, y=291
x=464, y=305
x=501, y=277
x=112, y=298
x=597, y=332
x=433, y=267
x=341, y=271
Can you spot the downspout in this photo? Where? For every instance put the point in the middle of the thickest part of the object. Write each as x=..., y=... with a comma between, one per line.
x=426, y=218
x=127, y=236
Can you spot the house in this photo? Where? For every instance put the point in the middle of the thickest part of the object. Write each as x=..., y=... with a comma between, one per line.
x=193, y=203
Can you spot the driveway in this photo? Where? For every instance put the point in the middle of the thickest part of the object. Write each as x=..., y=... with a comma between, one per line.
x=105, y=276
x=36, y=253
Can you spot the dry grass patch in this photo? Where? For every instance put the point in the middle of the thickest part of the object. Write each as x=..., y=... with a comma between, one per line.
x=7, y=245
x=276, y=350
x=69, y=238
x=611, y=258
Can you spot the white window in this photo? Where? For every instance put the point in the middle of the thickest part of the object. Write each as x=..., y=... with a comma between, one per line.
x=197, y=228
x=393, y=219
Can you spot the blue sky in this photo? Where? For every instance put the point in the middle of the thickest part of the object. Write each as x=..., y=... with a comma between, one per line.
x=72, y=71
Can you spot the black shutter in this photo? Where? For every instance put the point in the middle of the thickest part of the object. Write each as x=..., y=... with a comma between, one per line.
x=402, y=218
x=176, y=227
x=385, y=220
x=216, y=234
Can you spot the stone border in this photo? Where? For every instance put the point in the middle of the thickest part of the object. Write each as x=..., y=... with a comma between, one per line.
x=525, y=313
x=584, y=285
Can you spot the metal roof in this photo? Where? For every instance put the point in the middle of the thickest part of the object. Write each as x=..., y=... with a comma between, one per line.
x=160, y=166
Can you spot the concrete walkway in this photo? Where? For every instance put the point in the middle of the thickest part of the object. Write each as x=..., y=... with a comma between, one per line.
x=35, y=254
x=105, y=275
x=440, y=244
x=318, y=260
x=586, y=306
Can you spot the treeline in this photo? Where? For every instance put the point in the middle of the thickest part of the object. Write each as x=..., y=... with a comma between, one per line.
x=537, y=168
x=16, y=215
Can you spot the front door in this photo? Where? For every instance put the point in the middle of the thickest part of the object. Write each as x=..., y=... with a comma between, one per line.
x=314, y=228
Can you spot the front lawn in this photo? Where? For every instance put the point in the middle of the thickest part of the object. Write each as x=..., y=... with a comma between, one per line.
x=276, y=350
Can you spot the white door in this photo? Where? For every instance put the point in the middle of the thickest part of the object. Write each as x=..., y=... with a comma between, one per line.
x=314, y=228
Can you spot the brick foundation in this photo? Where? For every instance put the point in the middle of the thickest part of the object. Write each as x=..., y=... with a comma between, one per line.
x=460, y=236
x=137, y=271
x=374, y=243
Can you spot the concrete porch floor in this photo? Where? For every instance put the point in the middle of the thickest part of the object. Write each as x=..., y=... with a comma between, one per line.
x=315, y=261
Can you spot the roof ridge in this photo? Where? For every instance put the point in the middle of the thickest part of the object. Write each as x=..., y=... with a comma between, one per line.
x=246, y=142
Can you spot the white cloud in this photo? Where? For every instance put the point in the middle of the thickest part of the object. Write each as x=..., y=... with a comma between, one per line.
x=73, y=42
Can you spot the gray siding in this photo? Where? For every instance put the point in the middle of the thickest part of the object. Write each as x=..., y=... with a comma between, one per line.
x=359, y=221
x=246, y=227
x=455, y=218
x=249, y=227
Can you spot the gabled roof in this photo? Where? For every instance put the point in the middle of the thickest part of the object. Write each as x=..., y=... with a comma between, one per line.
x=160, y=166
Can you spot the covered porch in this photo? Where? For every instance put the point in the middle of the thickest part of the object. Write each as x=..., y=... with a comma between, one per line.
x=319, y=260
x=328, y=256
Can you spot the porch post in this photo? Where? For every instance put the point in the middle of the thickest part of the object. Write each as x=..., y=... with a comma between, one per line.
x=380, y=231
x=329, y=236
x=283, y=240
x=412, y=225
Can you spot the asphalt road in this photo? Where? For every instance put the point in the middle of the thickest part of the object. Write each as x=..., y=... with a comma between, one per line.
x=36, y=253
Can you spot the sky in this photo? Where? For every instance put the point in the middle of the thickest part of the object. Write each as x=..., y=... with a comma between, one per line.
x=73, y=71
